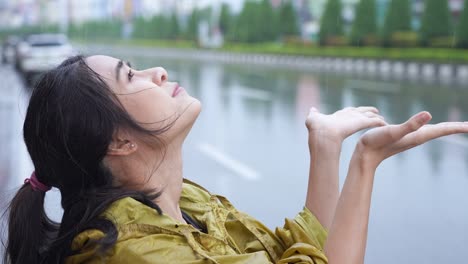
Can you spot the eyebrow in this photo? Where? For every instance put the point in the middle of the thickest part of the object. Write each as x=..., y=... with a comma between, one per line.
x=119, y=67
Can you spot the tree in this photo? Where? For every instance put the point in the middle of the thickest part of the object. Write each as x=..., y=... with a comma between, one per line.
x=108, y=29
x=397, y=19
x=462, y=32
x=225, y=19
x=257, y=22
x=191, y=32
x=141, y=28
x=331, y=23
x=436, y=21
x=365, y=24
x=247, y=23
x=288, y=20
x=159, y=27
x=267, y=27
x=174, y=29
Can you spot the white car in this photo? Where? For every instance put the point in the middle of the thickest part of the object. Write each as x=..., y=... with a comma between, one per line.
x=41, y=52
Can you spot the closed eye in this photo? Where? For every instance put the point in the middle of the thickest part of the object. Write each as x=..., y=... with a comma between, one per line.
x=130, y=75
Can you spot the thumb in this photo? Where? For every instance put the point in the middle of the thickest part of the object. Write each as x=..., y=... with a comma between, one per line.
x=413, y=124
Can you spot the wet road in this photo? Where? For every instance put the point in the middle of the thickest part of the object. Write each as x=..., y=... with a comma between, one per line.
x=13, y=99
x=250, y=145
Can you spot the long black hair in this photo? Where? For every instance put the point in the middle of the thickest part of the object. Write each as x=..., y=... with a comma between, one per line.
x=71, y=118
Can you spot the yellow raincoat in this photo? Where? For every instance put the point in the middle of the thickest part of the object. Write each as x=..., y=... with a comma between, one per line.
x=232, y=237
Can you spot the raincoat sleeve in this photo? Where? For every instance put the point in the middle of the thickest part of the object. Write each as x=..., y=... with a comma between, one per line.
x=303, y=239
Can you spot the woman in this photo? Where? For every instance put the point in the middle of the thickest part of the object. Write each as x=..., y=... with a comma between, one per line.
x=110, y=139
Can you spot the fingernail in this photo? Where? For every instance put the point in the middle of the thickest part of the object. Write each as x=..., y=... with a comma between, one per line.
x=425, y=116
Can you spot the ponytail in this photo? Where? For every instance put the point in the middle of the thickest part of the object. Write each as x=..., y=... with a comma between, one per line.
x=29, y=229
x=69, y=125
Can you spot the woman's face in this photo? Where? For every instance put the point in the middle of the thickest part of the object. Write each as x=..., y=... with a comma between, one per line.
x=148, y=95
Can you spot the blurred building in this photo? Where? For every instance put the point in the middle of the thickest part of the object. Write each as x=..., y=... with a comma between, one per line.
x=16, y=13
x=150, y=8
x=88, y=10
x=456, y=7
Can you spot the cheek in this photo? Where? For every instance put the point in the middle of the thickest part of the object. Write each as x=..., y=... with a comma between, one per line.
x=150, y=109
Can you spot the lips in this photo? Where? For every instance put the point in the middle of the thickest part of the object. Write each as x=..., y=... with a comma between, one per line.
x=177, y=90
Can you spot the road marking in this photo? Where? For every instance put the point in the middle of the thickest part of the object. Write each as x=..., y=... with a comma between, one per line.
x=228, y=162
x=252, y=93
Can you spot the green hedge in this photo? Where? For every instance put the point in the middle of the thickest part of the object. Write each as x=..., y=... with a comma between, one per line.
x=418, y=54
x=22, y=31
x=108, y=29
x=441, y=55
x=180, y=44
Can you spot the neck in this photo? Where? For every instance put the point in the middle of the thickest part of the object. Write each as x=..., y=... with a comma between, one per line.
x=168, y=179
x=162, y=172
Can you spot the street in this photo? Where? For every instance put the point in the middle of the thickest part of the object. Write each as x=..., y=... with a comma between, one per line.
x=250, y=145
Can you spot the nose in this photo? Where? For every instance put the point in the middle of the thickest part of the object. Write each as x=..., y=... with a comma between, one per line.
x=158, y=75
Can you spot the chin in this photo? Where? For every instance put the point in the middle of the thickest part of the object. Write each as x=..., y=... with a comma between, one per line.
x=197, y=105
x=193, y=112
x=188, y=118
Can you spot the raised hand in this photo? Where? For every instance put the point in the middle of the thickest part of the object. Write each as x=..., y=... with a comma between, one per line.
x=326, y=135
x=343, y=123
x=378, y=144
x=347, y=238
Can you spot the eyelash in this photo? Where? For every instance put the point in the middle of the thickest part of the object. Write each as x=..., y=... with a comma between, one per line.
x=130, y=75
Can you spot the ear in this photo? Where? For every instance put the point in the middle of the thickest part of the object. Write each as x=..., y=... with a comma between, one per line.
x=121, y=147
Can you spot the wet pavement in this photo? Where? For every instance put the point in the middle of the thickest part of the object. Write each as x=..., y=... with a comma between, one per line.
x=13, y=99
x=15, y=164
x=250, y=145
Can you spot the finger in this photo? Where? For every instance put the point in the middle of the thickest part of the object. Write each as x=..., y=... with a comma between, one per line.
x=376, y=122
x=376, y=116
x=313, y=109
x=364, y=109
x=413, y=124
x=373, y=115
x=371, y=122
x=430, y=132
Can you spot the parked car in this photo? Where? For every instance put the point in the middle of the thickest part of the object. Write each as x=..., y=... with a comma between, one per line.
x=9, y=49
x=38, y=53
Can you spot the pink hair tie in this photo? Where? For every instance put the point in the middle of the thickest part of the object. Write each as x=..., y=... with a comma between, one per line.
x=36, y=184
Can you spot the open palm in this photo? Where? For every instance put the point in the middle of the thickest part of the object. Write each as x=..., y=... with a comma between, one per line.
x=383, y=142
x=343, y=123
